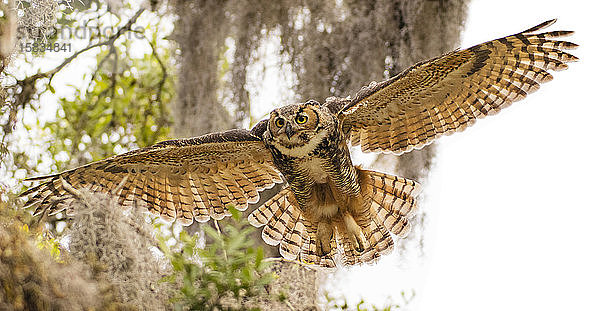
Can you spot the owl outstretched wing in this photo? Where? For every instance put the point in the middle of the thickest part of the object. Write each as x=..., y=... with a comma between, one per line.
x=448, y=93
x=183, y=179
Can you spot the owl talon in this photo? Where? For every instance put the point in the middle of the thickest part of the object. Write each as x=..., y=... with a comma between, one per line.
x=358, y=241
x=324, y=236
x=359, y=245
x=357, y=238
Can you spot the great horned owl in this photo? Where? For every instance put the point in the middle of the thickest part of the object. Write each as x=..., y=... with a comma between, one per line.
x=329, y=206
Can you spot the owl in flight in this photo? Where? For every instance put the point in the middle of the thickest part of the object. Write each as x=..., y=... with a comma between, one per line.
x=329, y=206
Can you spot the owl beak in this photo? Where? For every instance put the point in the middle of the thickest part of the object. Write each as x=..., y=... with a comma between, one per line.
x=289, y=131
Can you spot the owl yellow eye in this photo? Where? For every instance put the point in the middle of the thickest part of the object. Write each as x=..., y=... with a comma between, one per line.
x=300, y=119
x=279, y=122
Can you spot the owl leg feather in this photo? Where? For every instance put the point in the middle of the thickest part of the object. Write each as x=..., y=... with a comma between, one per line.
x=285, y=225
x=384, y=206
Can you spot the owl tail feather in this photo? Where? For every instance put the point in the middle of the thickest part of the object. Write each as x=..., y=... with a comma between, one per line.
x=388, y=202
x=392, y=199
x=282, y=221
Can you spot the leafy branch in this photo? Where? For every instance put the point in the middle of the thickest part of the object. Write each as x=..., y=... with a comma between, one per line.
x=26, y=89
x=222, y=275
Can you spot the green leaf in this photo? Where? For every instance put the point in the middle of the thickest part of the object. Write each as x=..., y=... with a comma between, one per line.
x=259, y=257
x=235, y=213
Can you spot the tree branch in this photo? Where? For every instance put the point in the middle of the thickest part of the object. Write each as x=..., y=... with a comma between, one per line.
x=50, y=74
x=111, y=40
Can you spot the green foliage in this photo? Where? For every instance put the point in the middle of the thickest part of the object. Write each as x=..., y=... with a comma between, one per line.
x=341, y=303
x=12, y=215
x=223, y=274
x=121, y=103
x=123, y=108
x=45, y=241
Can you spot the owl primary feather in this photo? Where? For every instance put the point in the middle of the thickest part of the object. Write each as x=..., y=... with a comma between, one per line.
x=329, y=209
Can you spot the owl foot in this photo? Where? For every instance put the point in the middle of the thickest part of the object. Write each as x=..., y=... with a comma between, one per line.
x=355, y=234
x=324, y=236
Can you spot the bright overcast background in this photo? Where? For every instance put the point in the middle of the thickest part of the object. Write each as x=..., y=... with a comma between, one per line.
x=512, y=202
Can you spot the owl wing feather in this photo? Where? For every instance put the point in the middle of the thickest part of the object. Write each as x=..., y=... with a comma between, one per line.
x=185, y=179
x=448, y=93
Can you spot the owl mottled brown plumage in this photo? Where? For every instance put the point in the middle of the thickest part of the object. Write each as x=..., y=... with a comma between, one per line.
x=329, y=206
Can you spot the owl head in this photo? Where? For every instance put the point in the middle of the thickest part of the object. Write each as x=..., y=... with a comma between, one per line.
x=297, y=129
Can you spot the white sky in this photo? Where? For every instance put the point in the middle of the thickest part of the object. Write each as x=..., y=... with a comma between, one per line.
x=512, y=201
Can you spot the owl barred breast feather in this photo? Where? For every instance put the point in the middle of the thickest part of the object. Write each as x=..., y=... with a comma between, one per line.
x=329, y=210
